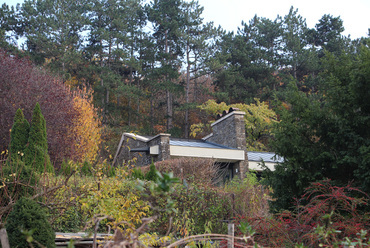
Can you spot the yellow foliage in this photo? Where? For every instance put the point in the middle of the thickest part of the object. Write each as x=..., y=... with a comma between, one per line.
x=258, y=117
x=72, y=82
x=117, y=199
x=151, y=240
x=86, y=129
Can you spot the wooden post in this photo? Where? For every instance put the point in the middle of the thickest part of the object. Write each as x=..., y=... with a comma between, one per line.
x=230, y=241
x=4, y=238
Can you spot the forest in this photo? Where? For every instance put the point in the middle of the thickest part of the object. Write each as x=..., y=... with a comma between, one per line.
x=98, y=68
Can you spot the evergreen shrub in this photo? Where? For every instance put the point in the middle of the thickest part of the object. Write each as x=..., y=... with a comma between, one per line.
x=151, y=175
x=36, y=154
x=18, y=136
x=20, y=181
x=28, y=216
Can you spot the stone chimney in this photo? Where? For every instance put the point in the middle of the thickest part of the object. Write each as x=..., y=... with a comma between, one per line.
x=229, y=130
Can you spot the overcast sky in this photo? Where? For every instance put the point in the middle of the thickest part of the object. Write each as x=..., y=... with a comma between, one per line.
x=229, y=13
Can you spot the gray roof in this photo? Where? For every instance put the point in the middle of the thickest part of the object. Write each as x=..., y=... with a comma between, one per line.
x=264, y=156
x=252, y=156
x=197, y=143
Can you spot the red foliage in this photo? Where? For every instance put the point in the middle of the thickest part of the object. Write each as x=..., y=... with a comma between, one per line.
x=21, y=86
x=330, y=209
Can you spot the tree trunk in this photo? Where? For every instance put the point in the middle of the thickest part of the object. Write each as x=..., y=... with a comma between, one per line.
x=168, y=93
x=187, y=88
x=169, y=110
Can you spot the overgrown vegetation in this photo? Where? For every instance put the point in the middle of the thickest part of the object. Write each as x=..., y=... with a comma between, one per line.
x=305, y=92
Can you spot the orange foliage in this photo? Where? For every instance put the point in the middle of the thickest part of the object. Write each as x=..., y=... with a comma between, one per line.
x=159, y=128
x=86, y=131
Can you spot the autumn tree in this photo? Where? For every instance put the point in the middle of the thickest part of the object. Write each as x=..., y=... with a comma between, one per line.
x=22, y=85
x=86, y=129
x=259, y=120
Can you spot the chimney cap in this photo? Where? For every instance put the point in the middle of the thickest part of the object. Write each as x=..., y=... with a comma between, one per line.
x=224, y=113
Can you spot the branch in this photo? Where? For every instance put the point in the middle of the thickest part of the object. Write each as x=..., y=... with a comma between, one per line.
x=10, y=205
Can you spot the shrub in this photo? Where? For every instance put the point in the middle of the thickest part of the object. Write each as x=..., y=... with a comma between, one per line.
x=17, y=181
x=330, y=218
x=248, y=197
x=36, y=154
x=69, y=220
x=27, y=216
x=86, y=169
x=203, y=171
x=18, y=136
x=151, y=175
x=115, y=197
x=136, y=173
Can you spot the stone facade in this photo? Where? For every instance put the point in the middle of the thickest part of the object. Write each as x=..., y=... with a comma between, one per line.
x=229, y=131
x=136, y=149
x=161, y=140
x=228, y=134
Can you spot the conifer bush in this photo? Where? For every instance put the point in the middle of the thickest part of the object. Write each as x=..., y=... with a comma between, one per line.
x=19, y=181
x=19, y=136
x=28, y=217
x=36, y=154
x=151, y=175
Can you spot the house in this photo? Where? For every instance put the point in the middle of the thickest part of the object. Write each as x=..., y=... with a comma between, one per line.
x=226, y=145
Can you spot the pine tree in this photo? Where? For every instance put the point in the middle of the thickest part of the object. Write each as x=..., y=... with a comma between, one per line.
x=18, y=136
x=36, y=154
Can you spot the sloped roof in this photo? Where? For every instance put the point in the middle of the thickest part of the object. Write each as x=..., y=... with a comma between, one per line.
x=268, y=157
x=197, y=143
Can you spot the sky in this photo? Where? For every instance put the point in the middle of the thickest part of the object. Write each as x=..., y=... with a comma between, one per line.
x=230, y=13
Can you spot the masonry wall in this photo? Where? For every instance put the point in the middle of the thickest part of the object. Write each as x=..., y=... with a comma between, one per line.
x=163, y=141
x=230, y=131
x=125, y=156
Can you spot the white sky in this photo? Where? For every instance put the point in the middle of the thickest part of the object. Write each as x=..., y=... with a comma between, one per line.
x=229, y=13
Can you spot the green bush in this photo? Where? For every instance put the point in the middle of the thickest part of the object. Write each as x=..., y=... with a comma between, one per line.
x=137, y=173
x=86, y=169
x=36, y=154
x=19, y=180
x=69, y=221
x=151, y=175
x=27, y=217
x=18, y=136
x=65, y=168
x=198, y=210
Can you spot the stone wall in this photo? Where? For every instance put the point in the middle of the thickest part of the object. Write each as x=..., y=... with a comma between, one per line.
x=129, y=143
x=163, y=141
x=125, y=156
x=229, y=131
